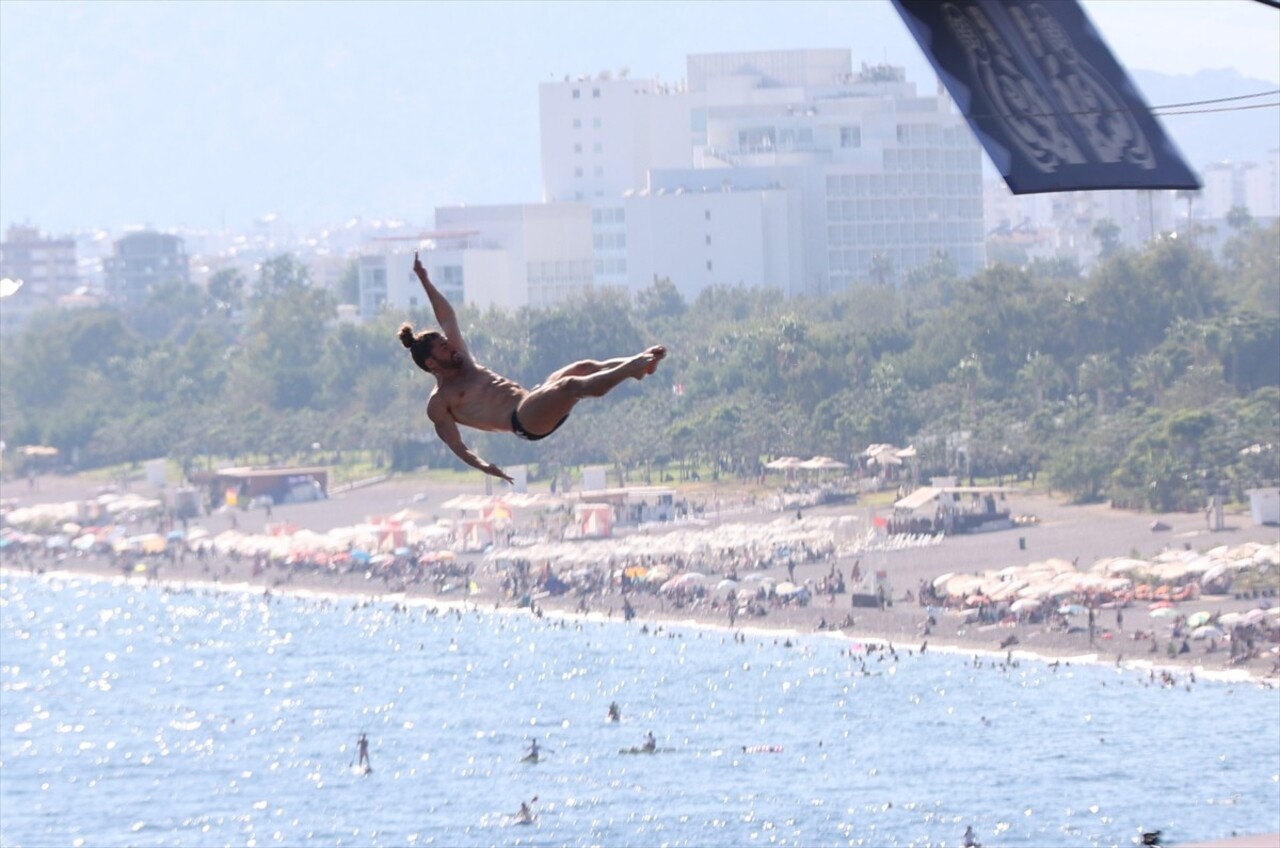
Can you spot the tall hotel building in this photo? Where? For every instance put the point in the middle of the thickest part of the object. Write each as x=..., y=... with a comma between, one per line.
x=784, y=169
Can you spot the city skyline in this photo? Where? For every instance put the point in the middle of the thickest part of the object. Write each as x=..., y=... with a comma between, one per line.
x=213, y=115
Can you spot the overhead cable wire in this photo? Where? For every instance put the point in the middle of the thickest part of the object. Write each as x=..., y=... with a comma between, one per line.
x=1222, y=109
x=1153, y=109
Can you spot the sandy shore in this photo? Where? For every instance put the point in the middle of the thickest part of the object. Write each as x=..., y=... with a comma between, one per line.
x=1082, y=533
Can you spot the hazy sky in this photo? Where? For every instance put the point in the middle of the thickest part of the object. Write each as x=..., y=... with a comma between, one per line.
x=207, y=114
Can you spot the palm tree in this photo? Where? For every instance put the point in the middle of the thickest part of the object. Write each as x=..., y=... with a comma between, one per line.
x=1100, y=375
x=1043, y=373
x=1188, y=195
x=881, y=268
x=1152, y=371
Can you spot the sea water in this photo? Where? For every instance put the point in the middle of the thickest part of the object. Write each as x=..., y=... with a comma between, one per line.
x=138, y=715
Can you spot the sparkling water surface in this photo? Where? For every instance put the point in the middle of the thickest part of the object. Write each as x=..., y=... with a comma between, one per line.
x=138, y=715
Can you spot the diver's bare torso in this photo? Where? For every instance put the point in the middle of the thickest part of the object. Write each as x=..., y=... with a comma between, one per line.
x=478, y=398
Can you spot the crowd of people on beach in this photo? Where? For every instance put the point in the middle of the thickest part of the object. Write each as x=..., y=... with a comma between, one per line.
x=716, y=575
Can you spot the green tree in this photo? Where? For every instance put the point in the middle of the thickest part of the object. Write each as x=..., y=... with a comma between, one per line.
x=1107, y=233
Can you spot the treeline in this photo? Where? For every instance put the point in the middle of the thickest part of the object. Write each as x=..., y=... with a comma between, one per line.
x=1154, y=380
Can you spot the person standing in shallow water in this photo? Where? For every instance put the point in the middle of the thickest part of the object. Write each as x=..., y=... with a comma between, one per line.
x=362, y=744
x=468, y=394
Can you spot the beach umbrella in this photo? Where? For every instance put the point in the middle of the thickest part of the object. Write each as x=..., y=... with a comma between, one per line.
x=1213, y=573
x=85, y=542
x=820, y=463
x=758, y=577
x=941, y=580
x=1008, y=590
x=1255, y=615
x=1072, y=609
x=360, y=555
x=1196, y=619
x=726, y=585
x=1228, y=620
x=59, y=541
x=1059, y=565
x=1208, y=631
x=1124, y=565
x=680, y=581
x=1023, y=604
x=1164, y=612
x=786, y=588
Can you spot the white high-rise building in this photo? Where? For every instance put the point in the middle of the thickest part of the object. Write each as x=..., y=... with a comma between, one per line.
x=1061, y=225
x=601, y=137
x=386, y=277
x=1254, y=186
x=547, y=251
x=1262, y=187
x=843, y=168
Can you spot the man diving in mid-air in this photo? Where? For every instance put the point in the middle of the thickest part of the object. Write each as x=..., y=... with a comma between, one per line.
x=471, y=395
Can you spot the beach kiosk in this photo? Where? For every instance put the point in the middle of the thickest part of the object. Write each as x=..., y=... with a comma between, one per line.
x=1264, y=505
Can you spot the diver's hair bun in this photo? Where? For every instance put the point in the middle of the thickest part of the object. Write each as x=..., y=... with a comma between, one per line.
x=406, y=335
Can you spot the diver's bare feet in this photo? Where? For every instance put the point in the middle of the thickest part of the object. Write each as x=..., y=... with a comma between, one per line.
x=655, y=354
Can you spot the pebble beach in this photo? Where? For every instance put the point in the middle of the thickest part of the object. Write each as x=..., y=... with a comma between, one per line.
x=1122, y=634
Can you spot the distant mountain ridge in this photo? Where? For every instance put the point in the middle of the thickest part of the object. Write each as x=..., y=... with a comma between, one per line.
x=1207, y=137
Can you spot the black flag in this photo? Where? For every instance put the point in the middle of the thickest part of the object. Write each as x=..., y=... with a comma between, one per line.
x=1041, y=90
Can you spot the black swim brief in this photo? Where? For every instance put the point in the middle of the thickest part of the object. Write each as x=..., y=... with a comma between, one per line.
x=519, y=430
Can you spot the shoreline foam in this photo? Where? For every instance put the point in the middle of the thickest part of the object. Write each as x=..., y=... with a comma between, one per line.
x=482, y=603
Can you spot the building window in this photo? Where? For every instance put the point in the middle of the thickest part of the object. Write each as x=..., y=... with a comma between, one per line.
x=577, y=148
x=595, y=123
x=598, y=147
x=707, y=215
x=595, y=92
x=850, y=137
x=756, y=139
x=577, y=172
x=708, y=240
x=577, y=123
x=708, y=264
x=599, y=172
x=576, y=94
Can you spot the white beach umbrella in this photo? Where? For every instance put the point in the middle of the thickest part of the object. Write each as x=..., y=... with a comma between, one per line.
x=1008, y=590
x=1255, y=615
x=1124, y=565
x=1208, y=631
x=1213, y=573
x=1023, y=604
